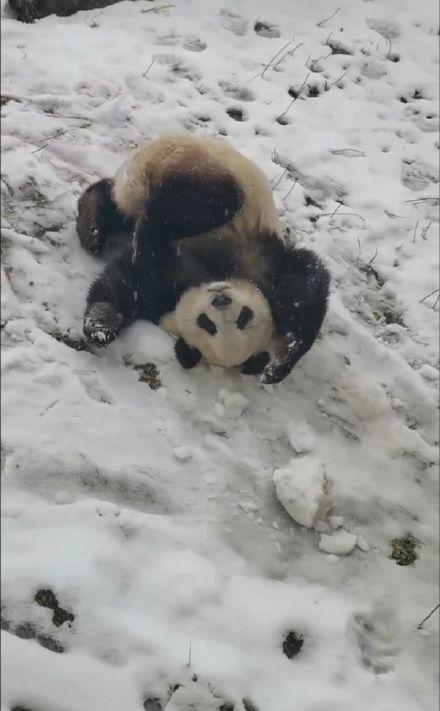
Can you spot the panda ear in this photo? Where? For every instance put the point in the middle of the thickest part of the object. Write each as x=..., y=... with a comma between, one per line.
x=184, y=204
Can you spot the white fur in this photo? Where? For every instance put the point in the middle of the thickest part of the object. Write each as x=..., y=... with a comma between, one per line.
x=230, y=346
x=147, y=165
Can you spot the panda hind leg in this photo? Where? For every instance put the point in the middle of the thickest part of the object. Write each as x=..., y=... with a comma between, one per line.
x=98, y=216
x=256, y=364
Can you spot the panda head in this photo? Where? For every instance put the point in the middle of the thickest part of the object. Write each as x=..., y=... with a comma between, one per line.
x=227, y=321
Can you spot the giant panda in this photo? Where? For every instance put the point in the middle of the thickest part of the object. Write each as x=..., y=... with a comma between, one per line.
x=205, y=259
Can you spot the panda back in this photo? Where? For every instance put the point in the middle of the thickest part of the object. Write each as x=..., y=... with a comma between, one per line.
x=202, y=158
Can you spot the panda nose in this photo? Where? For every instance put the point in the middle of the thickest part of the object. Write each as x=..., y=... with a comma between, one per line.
x=221, y=301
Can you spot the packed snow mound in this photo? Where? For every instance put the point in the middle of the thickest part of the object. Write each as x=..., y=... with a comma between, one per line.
x=303, y=489
x=139, y=496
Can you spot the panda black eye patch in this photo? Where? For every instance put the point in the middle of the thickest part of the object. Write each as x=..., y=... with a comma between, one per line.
x=205, y=322
x=245, y=316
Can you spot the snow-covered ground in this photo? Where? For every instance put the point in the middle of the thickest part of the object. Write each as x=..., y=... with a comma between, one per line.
x=151, y=514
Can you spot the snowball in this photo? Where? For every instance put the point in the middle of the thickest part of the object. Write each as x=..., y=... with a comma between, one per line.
x=339, y=543
x=183, y=454
x=300, y=437
x=234, y=404
x=302, y=489
x=362, y=543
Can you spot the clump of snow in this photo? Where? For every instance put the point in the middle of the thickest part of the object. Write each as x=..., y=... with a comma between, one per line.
x=233, y=404
x=339, y=543
x=362, y=543
x=301, y=437
x=183, y=453
x=303, y=489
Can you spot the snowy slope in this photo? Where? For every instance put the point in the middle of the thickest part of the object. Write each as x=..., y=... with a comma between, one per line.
x=181, y=566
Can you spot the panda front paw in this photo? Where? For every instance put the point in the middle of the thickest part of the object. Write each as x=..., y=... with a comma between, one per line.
x=275, y=372
x=102, y=324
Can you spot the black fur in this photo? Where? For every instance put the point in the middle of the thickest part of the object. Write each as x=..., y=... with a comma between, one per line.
x=256, y=364
x=149, y=278
x=186, y=204
x=31, y=10
x=205, y=322
x=98, y=217
x=246, y=314
x=187, y=357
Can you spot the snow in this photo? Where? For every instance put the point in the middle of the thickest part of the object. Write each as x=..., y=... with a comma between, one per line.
x=302, y=488
x=179, y=569
x=300, y=437
x=339, y=543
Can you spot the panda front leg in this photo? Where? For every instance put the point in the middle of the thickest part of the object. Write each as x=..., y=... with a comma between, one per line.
x=112, y=301
x=98, y=216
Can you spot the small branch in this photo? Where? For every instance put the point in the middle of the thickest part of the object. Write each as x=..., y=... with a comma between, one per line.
x=290, y=190
x=436, y=302
x=290, y=53
x=428, y=295
x=326, y=19
x=338, y=79
x=435, y=200
x=425, y=230
x=419, y=626
x=338, y=207
x=373, y=257
x=415, y=229
x=266, y=67
x=189, y=655
x=349, y=214
x=279, y=179
x=149, y=67
x=294, y=98
x=158, y=9
x=360, y=250
x=389, y=45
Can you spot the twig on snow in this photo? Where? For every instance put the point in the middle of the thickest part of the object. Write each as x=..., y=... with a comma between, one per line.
x=189, y=655
x=149, y=67
x=11, y=192
x=435, y=200
x=360, y=250
x=428, y=295
x=290, y=53
x=338, y=79
x=326, y=19
x=338, y=207
x=415, y=229
x=279, y=179
x=373, y=257
x=419, y=626
x=425, y=230
x=341, y=214
x=158, y=9
x=389, y=45
x=290, y=189
x=294, y=98
x=266, y=67
x=48, y=139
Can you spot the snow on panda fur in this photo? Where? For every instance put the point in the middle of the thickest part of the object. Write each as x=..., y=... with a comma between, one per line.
x=207, y=260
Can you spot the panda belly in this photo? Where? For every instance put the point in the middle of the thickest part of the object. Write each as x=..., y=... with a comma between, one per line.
x=232, y=336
